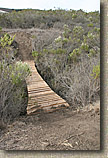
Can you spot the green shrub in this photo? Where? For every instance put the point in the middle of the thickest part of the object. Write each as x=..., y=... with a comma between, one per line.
x=78, y=31
x=92, y=52
x=13, y=90
x=66, y=31
x=20, y=72
x=96, y=72
x=90, y=25
x=58, y=40
x=84, y=46
x=74, y=16
x=0, y=28
x=74, y=55
x=6, y=40
x=35, y=54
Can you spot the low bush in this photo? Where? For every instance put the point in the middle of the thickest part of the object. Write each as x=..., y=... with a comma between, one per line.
x=13, y=90
x=70, y=64
x=45, y=19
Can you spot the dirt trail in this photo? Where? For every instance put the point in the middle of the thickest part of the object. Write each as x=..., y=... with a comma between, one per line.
x=24, y=38
x=24, y=45
x=64, y=129
x=60, y=130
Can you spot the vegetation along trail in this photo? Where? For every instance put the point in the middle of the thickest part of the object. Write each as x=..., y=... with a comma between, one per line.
x=50, y=80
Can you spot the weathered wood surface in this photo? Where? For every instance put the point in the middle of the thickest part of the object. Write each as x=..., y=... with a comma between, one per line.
x=40, y=96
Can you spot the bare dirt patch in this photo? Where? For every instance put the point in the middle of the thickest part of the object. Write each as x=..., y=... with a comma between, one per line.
x=60, y=130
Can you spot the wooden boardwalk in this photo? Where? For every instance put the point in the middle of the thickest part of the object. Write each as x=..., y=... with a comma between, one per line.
x=40, y=96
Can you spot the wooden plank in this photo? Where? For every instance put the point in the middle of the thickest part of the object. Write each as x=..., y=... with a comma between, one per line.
x=47, y=107
x=40, y=96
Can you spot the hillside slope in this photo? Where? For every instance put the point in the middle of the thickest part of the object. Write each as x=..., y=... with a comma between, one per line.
x=66, y=129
